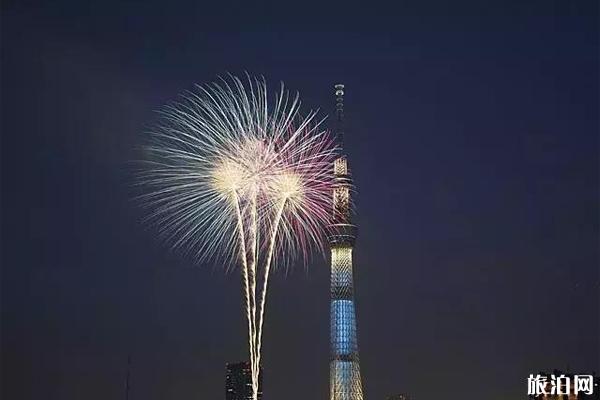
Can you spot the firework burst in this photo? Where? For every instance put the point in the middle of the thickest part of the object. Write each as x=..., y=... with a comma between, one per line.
x=237, y=176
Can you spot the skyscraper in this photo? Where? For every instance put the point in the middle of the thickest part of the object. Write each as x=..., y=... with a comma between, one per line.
x=344, y=369
x=238, y=382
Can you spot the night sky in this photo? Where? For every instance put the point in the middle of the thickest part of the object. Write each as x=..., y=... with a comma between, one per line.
x=472, y=130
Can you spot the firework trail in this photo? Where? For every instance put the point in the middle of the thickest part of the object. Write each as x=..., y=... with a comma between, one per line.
x=238, y=176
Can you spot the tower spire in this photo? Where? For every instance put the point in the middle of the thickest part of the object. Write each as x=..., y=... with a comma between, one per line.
x=128, y=378
x=339, y=114
x=344, y=367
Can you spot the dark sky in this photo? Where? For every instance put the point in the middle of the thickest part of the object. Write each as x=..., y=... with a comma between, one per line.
x=473, y=138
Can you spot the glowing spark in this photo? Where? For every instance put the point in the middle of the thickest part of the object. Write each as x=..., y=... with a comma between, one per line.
x=235, y=175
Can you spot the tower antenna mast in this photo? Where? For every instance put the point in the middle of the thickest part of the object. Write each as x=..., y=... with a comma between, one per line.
x=344, y=366
x=128, y=378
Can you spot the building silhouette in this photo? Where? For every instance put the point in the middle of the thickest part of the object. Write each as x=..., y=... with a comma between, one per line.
x=238, y=382
x=398, y=397
x=344, y=369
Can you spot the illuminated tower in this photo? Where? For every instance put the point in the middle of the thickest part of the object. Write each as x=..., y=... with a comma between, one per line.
x=344, y=369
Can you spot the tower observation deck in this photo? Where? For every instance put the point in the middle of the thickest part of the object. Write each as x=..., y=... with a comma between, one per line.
x=344, y=367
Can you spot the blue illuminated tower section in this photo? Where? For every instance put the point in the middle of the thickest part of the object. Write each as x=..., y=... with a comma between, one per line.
x=344, y=369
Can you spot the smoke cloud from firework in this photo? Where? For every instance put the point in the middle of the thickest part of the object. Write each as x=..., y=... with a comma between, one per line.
x=237, y=176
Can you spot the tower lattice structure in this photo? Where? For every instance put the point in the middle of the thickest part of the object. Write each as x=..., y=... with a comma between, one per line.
x=344, y=367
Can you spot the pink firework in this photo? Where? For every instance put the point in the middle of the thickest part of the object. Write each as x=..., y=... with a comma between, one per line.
x=234, y=174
